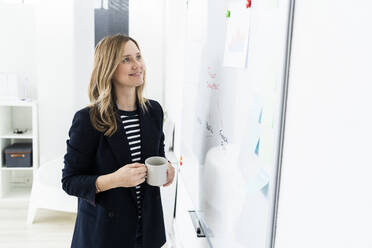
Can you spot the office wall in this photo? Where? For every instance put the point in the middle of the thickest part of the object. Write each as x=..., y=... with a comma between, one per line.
x=146, y=26
x=50, y=43
x=83, y=34
x=17, y=43
x=325, y=196
x=65, y=45
x=174, y=59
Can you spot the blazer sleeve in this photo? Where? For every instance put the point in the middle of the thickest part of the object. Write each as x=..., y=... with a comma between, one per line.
x=78, y=177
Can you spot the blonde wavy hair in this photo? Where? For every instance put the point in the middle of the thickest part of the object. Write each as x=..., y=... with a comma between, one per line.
x=107, y=56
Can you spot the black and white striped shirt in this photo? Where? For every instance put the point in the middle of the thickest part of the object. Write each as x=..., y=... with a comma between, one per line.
x=131, y=123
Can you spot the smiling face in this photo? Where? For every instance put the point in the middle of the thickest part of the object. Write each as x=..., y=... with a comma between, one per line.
x=130, y=71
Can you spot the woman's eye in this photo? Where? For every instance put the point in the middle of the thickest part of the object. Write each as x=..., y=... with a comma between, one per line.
x=139, y=57
x=126, y=60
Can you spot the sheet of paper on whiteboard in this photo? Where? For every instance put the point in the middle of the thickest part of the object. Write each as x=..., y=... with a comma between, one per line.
x=237, y=34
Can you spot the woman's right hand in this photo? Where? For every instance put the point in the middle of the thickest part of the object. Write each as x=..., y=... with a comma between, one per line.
x=130, y=175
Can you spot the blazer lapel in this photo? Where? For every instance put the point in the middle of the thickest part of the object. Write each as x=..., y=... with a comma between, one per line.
x=147, y=134
x=147, y=125
x=120, y=147
x=119, y=144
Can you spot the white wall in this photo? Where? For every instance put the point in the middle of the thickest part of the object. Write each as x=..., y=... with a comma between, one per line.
x=65, y=46
x=83, y=49
x=325, y=196
x=55, y=75
x=175, y=13
x=146, y=26
x=17, y=43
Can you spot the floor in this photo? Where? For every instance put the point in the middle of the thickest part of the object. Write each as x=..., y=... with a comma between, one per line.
x=51, y=229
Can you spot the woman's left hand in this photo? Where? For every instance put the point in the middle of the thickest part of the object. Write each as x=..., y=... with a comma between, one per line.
x=170, y=175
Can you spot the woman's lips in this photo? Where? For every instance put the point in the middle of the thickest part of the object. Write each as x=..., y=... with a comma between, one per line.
x=136, y=74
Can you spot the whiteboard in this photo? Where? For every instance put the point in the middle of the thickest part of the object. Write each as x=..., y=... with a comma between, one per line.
x=232, y=120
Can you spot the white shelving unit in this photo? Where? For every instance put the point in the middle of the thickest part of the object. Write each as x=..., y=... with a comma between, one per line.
x=16, y=182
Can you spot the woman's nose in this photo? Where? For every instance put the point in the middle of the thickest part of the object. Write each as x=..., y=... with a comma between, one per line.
x=135, y=64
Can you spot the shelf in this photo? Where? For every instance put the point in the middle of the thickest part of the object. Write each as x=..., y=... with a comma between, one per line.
x=17, y=194
x=16, y=182
x=16, y=168
x=20, y=103
x=11, y=135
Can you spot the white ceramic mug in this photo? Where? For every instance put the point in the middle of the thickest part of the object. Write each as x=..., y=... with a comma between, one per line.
x=156, y=170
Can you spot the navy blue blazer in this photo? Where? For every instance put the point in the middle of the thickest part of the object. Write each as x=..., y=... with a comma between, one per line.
x=108, y=219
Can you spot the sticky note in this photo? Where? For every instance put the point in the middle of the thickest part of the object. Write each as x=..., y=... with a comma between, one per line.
x=260, y=117
x=257, y=150
x=262, y=179
x=260, y=182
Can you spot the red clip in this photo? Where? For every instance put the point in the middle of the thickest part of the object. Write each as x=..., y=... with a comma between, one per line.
x=249, y=4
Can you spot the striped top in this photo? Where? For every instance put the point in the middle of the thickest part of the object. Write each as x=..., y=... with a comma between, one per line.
x=131, y=123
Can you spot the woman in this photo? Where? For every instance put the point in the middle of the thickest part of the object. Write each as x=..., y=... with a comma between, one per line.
x=109, y=141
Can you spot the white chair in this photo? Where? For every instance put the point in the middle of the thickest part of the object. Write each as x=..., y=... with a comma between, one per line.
x=47, y=192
